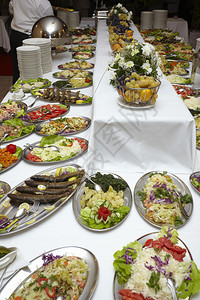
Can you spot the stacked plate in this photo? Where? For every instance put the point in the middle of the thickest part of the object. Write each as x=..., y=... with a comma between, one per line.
x=45, y=48
x=74, y=19
x=29, y=62
x=160, y=18
x=64, y=16
x=146, y=20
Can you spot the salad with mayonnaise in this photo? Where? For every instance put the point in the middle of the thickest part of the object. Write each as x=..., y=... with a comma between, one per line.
x=142, y=268
x=66, y=148
x=161, y=199
x=59, y=276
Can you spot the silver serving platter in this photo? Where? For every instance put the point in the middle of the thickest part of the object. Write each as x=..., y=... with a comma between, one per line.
x=41, y=212
x=197, y=147
x=68, y=103
x=180, y=74
x=37, y=107
x=21, y=276
x=191, y=177
x=11, y=166
x=20, y=137
x=93, y=48
x=26, y=151
x=130, y=105
x=70, y=87
x=75, y=68
x=20, y=103
x=5, y=187
x=89, y=73
x=183, y=189
x=39, y=126
x=75, y=53
x=142, y=240
x=77, y=207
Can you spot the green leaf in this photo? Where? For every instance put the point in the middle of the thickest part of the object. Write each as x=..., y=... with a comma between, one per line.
x=190, y=287
x=153, y=281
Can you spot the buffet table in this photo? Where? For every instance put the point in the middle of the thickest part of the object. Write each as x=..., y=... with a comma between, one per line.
x=124, y=141
x=179, y=25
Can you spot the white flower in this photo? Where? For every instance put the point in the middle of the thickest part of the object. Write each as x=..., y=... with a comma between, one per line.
x=117, y=56
x=146, y=66
x=113, y=75
x=146, y=50
x=115, y=11
x=125, y=10
x=130, y=64
x=134, y=51
x=119, y=5
x=121, y=62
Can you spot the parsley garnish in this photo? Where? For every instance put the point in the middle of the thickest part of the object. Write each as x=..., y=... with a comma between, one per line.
x=153, y=281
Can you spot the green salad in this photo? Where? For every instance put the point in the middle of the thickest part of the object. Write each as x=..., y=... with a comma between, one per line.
x=28, y=85
x=16, y=128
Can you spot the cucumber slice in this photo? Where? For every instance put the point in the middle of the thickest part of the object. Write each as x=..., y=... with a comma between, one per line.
x=97, y=220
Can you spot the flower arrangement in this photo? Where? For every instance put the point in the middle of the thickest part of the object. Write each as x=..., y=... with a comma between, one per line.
x=118, y=9
x=139, y=58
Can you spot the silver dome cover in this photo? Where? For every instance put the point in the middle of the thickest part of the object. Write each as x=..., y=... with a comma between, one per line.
x=53, y=28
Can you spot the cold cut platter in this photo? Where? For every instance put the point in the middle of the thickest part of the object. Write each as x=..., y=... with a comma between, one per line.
x=45, y=191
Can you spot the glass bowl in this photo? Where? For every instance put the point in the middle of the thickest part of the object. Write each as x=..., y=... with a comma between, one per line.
x=139, y=96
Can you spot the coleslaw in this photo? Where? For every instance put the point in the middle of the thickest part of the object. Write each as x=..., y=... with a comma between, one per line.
x=66, y=276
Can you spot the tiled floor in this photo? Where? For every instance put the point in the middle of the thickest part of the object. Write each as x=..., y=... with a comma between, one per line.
x=5, y=84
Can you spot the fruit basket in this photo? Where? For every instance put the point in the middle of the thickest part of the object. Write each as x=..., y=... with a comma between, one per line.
x=139, y=96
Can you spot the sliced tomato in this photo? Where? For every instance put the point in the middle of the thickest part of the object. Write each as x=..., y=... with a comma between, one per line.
x=33, y=157
x=128, y=294
x=148, y=243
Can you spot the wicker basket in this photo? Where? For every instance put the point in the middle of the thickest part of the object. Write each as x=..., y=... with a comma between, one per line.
x=139, y=96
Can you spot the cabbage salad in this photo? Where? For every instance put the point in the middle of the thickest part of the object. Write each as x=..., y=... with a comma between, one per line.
x=161, y=201
x=142, y=270
x=67, y=148
x=61, y=276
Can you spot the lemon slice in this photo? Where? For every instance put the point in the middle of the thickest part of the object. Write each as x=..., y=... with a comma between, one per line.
x=24, y=205
x=6, y=203
x=31, y=221
x=49, y=207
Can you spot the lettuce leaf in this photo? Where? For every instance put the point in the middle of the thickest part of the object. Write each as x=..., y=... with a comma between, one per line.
x=190, y=287
x=24, y=129
x=123, y=269
x=48, y=140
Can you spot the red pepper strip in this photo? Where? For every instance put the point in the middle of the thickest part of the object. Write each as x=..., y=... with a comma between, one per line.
x=41, y=279
x=103, y=212
x=69, y=145
x=52, y=293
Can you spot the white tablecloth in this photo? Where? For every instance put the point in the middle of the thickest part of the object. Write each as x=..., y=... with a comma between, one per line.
x=139, y=140
x=61, y=229
x=4, y=37
x=179, y=25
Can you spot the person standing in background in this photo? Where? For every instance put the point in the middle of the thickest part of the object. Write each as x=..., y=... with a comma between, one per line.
x=25, y=14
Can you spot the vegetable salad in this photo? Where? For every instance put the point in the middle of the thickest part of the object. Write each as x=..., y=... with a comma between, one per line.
x=64, y=276
x=142, y=269
x=161, y=201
